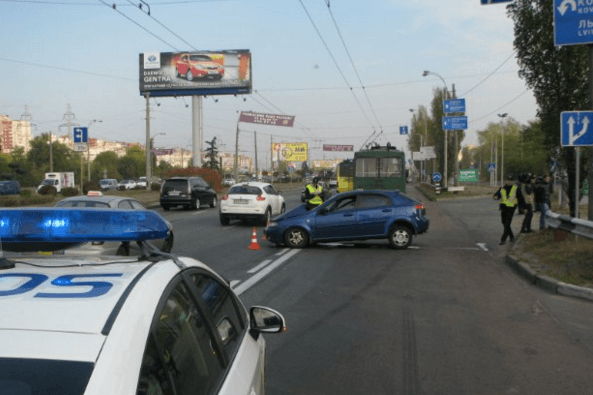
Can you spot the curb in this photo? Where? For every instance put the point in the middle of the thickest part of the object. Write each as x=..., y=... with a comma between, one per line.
x=544, y=282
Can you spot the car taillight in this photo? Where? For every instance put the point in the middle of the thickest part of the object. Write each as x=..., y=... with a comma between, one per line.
x=225, y=197
x=260, y=198
x=420, y=206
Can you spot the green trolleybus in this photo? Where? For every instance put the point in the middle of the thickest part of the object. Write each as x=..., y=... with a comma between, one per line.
x=380, y=168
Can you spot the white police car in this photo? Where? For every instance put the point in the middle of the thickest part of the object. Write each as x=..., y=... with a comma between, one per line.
x=151, y=324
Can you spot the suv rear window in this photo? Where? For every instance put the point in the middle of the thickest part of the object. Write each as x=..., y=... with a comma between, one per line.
x=175, y=184
x=245, y=190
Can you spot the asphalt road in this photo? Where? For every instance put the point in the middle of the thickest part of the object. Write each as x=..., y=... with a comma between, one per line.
x=446, y=316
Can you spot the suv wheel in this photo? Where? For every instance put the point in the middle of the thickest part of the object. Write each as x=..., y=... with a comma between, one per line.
x=214, y=201
x=166, y=208
x=196, y=204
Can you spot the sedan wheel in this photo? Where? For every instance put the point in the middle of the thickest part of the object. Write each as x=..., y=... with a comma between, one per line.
x=296, y=238
x=196, y=204
x=400, y=237
x=214, y=201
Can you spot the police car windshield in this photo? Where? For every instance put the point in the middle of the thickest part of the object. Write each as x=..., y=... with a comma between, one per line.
x=41, y=376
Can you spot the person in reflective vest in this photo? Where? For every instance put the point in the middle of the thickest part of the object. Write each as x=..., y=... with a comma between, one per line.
x=510, y=197
x=314, y=194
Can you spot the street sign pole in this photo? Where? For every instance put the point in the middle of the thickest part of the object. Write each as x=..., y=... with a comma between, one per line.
x=590, y=172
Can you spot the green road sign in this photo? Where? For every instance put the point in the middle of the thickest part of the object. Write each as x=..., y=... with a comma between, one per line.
x=468, y=175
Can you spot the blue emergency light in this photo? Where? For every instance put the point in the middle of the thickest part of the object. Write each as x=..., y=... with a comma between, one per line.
x=51, y=229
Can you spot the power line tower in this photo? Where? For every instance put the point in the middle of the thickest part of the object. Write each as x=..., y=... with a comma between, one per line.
x=69, y=118
x=26, y=116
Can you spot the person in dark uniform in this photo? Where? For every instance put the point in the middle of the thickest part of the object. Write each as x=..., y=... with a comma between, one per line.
x=314, y=194
x=510, y=197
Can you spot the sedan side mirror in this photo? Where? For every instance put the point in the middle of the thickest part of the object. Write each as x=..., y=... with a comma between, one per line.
x=266, y=320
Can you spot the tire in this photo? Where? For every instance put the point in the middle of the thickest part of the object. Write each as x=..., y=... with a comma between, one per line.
x=283, y=209
x=267, y=216
x=224, y=220
x=400, y=237
x=214, y=201
x=189, y=75
x=296, y=238
x=166, y=208
x=195, y=204
x=168, y=244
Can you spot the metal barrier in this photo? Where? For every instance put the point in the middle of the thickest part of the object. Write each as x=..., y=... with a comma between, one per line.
x=569, y=224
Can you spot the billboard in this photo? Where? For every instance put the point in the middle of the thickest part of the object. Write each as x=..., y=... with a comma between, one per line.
x=290, y=152
x=267, y=119
x=339, y=148
x=195, y=73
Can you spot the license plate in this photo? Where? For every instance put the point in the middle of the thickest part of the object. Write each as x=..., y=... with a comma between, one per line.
x=241, y=201
x=212, y=72
x=174, y=193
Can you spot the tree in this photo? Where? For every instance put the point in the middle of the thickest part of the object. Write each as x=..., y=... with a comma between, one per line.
x=212, y=155
x=133, y=164
x=105, y=165
x=557, y=76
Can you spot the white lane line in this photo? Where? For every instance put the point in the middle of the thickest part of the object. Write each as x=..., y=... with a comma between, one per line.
x=199, y=212
x=250, y=282
x=258, y=267
x=463, y=248
x=284, y=251
x=482, y=246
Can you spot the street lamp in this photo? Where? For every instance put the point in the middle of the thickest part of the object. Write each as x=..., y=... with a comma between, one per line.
x=88, y=149
x=502, y=117
x=424, y=74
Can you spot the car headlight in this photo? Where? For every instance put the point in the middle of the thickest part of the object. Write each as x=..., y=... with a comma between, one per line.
x=272, y=224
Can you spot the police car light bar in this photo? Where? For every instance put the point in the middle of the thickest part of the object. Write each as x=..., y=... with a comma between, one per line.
x=51, y=229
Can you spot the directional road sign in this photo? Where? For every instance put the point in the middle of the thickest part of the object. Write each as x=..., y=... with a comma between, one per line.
x=573, y=22
x=403, y=130
x=455, y=123
x=81, y=135
x=485, y=2
x=491, y=167
x=436, y=177
x=455, y=105
x=576, y=128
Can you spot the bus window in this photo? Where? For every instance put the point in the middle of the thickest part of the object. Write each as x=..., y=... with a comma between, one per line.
x=391, y=167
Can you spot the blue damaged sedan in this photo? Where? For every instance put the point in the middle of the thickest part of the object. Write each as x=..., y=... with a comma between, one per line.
x=352, y=216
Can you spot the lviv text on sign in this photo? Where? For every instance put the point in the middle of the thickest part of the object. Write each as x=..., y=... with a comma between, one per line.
x=267, y=119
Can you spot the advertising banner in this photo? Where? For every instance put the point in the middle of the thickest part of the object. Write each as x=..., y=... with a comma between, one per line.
x=339, y=148
x=267, y=119
x=468, y=175
x=195, y=73
x=168, y=151
x=290, y=152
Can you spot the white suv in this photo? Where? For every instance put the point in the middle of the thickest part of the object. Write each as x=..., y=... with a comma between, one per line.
x=251, y=200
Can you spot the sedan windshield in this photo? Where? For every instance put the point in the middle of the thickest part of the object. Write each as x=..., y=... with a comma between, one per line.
x=245, y=190
x=40, y=376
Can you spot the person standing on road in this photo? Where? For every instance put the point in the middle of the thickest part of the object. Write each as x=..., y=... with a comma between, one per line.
x=542, y=197
x=528, y=192
x=314, y=194
x=510, y=197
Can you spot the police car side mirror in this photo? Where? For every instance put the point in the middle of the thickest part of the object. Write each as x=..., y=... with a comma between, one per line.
x=266, y=320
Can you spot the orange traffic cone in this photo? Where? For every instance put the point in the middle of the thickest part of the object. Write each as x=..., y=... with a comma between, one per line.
x=267, y=226
x=254, y=245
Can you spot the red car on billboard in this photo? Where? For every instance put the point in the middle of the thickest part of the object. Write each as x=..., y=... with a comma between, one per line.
x=198, y=66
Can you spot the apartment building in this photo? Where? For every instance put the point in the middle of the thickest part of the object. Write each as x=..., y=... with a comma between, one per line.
x=14, y=134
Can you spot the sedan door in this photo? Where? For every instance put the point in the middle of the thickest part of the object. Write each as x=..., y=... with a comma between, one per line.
x=336, y=221
x=373, y=213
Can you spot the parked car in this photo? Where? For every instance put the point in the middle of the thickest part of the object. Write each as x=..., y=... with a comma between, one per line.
x=126, y=184
x=152, y=324
x=227, y=182
x=10, y=187
x=108, y=184
x=251, y=200
x=198, y=66
x=95, y=199
x=141, y=183
x=190, y=192
x=350, y=216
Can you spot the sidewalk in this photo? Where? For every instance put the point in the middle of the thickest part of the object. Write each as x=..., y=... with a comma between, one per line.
x=524, y=263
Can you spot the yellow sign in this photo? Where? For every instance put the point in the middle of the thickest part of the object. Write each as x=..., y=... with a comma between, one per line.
x=290, y=152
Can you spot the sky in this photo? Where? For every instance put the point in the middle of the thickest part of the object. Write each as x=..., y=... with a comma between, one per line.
x=346, y=69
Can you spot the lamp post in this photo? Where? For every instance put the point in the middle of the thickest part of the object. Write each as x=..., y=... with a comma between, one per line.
x=88, y=149
x=424, y=74
x=502, y=117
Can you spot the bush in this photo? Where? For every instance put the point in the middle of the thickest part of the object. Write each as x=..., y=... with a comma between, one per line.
x=48, y=190
x=69, y=191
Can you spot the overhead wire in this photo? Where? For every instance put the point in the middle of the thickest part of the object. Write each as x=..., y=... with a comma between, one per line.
x=491, y=74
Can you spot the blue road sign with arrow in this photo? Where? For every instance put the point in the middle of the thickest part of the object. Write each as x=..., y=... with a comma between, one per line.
x=455, y=105
x=81, y=135
x=573, y=22
x=436, y=177
x=455, y=123
x=576, y=128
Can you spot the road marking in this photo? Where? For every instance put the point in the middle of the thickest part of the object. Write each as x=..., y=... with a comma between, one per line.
x=284, y=251
x=199, y=212
x=260, y=266
x=250, y=282
x=463, y=248
x=482, y=246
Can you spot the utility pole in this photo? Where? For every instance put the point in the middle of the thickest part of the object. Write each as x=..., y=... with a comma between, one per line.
x=255, y=140
x=456, y=150
x=147, y=162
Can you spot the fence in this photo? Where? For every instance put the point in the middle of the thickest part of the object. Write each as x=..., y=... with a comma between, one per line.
x=569, y=224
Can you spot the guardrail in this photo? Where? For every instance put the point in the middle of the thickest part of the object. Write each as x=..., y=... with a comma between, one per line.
x=569, y=224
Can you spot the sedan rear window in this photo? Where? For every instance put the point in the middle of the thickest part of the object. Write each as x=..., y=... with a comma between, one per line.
x=40, y=376
x=245, y=190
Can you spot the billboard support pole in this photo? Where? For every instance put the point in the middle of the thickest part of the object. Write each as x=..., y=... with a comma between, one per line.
x=255, y=141
x=236, y=154
x=196, y=138
x=147, y=150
